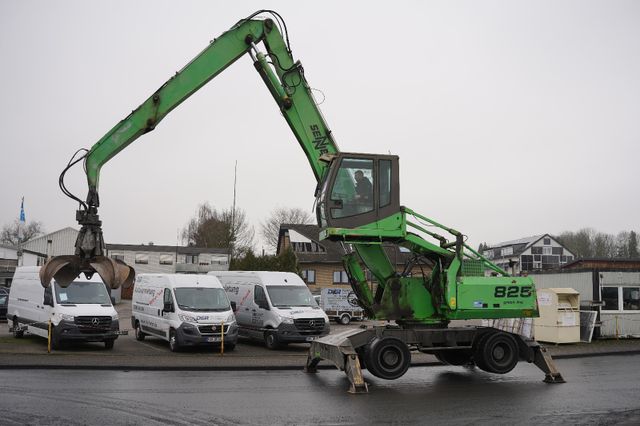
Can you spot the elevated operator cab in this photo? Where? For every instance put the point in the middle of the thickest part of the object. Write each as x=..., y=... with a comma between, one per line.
x=358, y=190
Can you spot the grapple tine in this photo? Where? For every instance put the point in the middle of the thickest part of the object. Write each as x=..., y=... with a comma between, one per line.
x=104, y=267
x=125, y=273
x=64, y=269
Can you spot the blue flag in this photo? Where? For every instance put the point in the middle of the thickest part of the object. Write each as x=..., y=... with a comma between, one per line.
x=22, y=218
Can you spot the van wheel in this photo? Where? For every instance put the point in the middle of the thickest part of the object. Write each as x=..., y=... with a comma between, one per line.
x=173, y=341
x=345, y=319
x=138, y=332
x=17, y=333
x=56, y=343
x=229, y=348
x=271, y=340
x=108, y=344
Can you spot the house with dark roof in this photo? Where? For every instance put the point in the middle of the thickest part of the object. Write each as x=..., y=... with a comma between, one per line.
x=321, y=261
x=540, y=252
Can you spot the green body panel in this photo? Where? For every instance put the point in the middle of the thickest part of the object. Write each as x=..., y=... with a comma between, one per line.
x=495, y=297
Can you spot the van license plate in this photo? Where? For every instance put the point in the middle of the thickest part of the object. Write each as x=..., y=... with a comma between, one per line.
x=311, y=338
x=213, y=339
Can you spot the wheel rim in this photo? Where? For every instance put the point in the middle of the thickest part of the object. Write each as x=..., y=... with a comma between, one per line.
x=391, y=358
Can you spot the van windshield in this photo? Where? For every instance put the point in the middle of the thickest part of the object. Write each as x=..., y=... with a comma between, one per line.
x=202, y=299
x=82, y=292
x=284, y=296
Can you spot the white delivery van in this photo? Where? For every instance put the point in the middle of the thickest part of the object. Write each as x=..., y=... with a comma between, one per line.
x=80, y=312
x=185, y=310
x=341, y=305
x=274, y=307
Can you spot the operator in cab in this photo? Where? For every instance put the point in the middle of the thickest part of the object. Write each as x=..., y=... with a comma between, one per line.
x=364, y=189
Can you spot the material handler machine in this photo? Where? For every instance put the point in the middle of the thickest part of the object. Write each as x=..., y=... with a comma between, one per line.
x=358, y=205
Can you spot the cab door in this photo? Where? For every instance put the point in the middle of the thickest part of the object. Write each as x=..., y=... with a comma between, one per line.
x=168, y=313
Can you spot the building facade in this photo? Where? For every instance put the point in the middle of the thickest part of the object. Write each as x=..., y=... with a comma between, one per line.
x=527, y=255
x=609, y=286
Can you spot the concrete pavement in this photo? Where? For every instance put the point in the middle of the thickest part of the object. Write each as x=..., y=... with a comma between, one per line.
x=31, y=352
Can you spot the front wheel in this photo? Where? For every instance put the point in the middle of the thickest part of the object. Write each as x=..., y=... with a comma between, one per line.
x=173, y=341
x=108, y=344
x=387, y=358
x=271, y=340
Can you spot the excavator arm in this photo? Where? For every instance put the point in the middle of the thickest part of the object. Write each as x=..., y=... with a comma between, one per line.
x=285, y=80
x=357, y=199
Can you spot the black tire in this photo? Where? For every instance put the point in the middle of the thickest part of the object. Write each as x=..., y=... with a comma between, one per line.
x=56, y=342
x=174, y=346
x=229, y=347
x=498, y=353
x=387, y=358
x=138, y=332
x=17, y=333
x=271, y=340
x=108, y=344
x=455, y=357
x=345, y=319
x=478, y=358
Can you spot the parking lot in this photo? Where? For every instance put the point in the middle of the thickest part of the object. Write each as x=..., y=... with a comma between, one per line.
x=154, y=352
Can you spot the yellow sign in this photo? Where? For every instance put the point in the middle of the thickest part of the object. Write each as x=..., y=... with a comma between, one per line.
x=452, y=302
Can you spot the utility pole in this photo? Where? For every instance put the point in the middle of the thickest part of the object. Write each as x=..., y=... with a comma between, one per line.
x=233, y=212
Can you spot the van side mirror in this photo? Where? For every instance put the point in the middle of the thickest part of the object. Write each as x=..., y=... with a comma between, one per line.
x=48, y=299
x=113, y=300
x=263, y=304
x=233, y=306
x=168, y=307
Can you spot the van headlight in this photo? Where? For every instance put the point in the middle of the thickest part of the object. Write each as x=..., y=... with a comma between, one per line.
x=230, y=319
x=187, y=318
x=286, y=320
x=67, y=317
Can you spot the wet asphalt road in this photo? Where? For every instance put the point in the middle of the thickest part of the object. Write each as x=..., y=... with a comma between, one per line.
x=600, y=390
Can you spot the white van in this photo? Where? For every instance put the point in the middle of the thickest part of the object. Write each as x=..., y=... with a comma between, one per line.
x=185, y=310
x=80, y=312
x=274, y=307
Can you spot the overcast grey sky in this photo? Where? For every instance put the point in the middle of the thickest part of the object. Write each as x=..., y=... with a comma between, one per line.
x=510, y=118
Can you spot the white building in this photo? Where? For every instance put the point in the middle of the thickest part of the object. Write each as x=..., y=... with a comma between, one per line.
x=541, y=252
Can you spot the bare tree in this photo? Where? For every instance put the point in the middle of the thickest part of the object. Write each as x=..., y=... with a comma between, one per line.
x=14, y=233
x=633, y=245
x=224, y=229
x=270, y=229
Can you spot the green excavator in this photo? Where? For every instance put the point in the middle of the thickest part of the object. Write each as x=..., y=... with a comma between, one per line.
x=358, y=205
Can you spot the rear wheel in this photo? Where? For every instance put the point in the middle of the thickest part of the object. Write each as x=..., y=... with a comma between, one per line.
x=138, y=332
x=497, y=353
x=17, y=332
x=345, y=319
x=388, y=358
